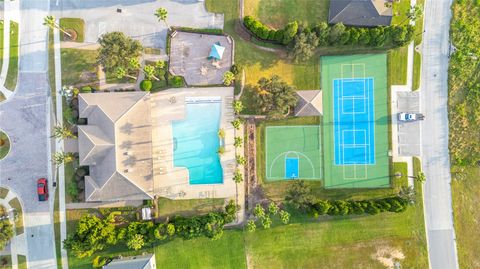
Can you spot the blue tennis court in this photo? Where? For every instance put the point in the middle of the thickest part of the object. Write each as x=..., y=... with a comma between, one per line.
x=291, y=168
x=354, y=132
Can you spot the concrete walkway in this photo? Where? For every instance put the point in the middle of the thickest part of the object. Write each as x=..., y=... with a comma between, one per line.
x=59, y=146
x=17, y=243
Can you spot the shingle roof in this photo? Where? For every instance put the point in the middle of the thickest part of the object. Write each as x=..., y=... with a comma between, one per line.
x=136, y=262
x=360, y=12
x=309, y=103
x=116, y=145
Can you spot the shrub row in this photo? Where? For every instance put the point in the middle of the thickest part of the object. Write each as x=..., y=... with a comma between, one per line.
x=260, y=30
x=341, y=207
x=200, y=31
x=338, y=34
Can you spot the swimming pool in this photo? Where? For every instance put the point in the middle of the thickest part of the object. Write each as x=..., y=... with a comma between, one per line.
x=196, y=141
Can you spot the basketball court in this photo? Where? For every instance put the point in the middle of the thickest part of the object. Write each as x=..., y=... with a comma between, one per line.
x=293, y=152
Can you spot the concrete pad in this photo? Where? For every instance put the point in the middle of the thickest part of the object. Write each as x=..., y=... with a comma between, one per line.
x=189, y=55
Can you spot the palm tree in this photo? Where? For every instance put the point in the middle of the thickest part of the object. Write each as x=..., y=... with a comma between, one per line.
x=62, y=157
x=149, y=71
x=62, y=132
x=162, y=14
x=237, y=106
x=228, y=78
x=50, y=22
x=414, y=13
x=121, y=72
x=134, y=64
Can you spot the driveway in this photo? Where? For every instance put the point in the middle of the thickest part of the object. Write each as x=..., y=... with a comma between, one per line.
x=25, y=118
x=136, y=18
x=436, y=160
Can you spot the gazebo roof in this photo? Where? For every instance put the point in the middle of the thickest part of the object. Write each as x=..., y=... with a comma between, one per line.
x=217, y=51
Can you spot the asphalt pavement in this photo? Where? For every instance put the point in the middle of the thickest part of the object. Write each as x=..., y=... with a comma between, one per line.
x=435, y=154
x=136, y=17
x=25, y=118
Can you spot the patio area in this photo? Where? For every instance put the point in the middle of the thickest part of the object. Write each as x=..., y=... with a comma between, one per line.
x=173, y=182
x=201, y=59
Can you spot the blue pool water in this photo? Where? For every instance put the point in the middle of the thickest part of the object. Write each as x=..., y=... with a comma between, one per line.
x=196, y=142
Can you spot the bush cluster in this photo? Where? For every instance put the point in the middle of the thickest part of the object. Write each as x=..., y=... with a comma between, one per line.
x=94, y=234
x=337, y=34
x=260, y=30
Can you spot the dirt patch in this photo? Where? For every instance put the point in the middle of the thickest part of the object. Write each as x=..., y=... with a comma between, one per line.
x=389, y=257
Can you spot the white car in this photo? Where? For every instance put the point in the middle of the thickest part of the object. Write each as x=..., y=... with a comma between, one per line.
x=403, y=116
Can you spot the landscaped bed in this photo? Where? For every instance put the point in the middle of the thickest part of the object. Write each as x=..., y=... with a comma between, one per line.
x=75, y=27
x=4, y=145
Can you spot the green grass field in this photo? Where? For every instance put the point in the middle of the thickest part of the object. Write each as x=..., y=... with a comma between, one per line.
x=277, y=13
x=79, y=66
x=300, y=143
x=376, y=175
x=12, y=74
x=75, y=24
x=397, y=65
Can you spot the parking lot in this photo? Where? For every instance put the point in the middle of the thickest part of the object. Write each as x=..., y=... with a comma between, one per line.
x=408, y=133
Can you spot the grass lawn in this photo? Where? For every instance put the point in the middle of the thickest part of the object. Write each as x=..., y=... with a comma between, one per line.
x=79, y=67
x=75, y=24
x=4, y=146
x=3, y=192
x=400, y=10
x=2, y=97
x=1, y=45
x=22, y=262
x=397, y=65
x=226, y=252
x=277, y=13
x=15, y=203
x=69, y=179
x=417, y=60
x=5, y=262
x=170, y=208
x=12, y=74
x=417, y=70
x=56, y=227
x=51, y=68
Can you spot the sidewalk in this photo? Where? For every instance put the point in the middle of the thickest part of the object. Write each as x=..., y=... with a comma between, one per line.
x=17, y=243
x=59, y=146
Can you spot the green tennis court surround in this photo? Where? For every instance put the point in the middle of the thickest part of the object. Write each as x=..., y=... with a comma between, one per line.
x=355, y=121
x=293, y=152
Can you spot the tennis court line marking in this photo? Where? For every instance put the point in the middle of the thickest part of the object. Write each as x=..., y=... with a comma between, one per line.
x=352, y=66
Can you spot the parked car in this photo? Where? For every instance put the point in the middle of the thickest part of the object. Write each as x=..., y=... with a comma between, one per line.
x=42, y=189
x=403, y=116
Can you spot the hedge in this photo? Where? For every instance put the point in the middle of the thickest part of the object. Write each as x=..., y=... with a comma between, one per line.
x=337, y=34
x=343, y=207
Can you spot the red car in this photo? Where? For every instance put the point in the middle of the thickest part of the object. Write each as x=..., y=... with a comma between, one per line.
x=42, y=189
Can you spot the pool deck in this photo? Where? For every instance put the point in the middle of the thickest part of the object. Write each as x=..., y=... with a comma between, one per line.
x=172, y=182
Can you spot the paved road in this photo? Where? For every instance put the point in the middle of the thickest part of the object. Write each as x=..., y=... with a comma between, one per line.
x=25, y=118
x=136, y=19
x=436, y=161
